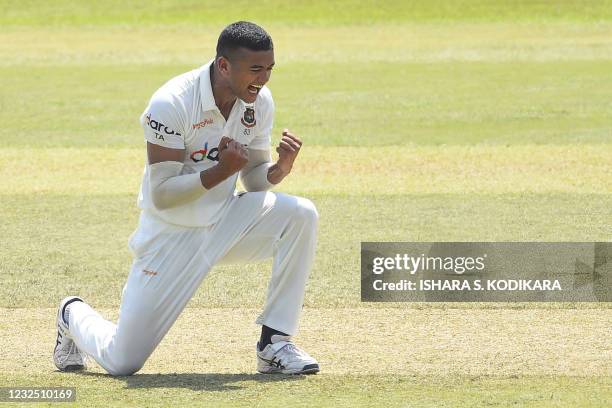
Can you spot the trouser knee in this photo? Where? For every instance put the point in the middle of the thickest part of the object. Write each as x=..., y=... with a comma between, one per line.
x=126, y=358
x=126, y=367
x=307, y=212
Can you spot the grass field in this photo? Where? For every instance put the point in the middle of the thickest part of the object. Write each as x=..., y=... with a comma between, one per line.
x=422, y=121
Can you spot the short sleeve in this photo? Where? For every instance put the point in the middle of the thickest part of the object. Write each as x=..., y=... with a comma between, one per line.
x=263, y=138
x=161, y=122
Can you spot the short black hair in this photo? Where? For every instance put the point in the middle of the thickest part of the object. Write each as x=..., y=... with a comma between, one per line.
x=243, y=34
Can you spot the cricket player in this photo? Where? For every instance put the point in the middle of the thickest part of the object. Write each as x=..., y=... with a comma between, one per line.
x=204, y=129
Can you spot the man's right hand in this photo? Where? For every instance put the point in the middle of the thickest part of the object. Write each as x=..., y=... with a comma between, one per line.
x=232, y=156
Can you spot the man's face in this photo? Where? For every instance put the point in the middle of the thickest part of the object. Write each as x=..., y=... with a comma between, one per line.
x=247, y=71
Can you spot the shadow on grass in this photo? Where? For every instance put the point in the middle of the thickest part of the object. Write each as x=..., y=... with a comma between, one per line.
x=197, y=381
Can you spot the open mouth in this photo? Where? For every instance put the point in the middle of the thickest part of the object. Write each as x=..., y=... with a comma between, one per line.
x=254, y=89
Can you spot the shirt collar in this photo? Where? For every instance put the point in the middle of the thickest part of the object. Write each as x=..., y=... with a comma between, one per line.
x=206, y=93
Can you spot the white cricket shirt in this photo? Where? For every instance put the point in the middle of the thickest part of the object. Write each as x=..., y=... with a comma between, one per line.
x=182, y=114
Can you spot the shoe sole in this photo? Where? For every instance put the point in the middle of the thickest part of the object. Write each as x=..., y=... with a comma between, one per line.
x=307, y=370
x=73, y=368
x=310, y=369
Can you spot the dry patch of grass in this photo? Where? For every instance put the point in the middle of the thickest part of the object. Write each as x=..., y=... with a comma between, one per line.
x=364, y=341
x=582, y=169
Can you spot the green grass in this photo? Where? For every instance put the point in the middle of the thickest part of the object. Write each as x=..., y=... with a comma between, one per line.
x=57, y=244
x=349, y=12
x=242, y=390
x=422, y=121
x=448, y=357
x=500, y=91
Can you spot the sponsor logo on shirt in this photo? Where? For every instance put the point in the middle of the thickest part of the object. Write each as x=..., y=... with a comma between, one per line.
x=159, y=127
x=203, y=123
x=248, y=119
x=202, y=154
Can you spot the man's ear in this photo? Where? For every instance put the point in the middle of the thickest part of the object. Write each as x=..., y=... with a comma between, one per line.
x=223, y=65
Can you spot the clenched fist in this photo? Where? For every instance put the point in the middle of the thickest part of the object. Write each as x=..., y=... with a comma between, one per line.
x=232, y=155
x=288, y=149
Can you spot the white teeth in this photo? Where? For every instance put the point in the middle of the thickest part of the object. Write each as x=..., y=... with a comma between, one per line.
x=253, y=89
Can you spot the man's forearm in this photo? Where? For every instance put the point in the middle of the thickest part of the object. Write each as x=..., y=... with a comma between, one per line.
x=171, y=189
x=262, y=177
x=213, y=176
x=255, y=176
x=276, y=174
x=260, y=174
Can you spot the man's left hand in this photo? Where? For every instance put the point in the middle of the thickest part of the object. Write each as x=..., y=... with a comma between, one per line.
x=287, y=150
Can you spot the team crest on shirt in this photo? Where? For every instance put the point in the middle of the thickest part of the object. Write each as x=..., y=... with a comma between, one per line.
x=248, y=119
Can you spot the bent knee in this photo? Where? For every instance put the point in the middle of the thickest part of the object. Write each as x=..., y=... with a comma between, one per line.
x=125, y=368
x=307, y=211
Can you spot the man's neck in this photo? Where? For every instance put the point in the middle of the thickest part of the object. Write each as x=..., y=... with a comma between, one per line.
x=224, y=98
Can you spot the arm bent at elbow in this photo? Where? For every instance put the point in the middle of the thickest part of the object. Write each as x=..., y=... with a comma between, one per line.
x=254, y=176
x=169, y=188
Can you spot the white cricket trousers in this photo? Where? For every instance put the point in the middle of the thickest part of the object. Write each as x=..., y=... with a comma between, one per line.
x=171, y=261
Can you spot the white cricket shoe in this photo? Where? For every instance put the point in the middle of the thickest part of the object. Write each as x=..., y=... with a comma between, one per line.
x=66, y=355
x=285, y=357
